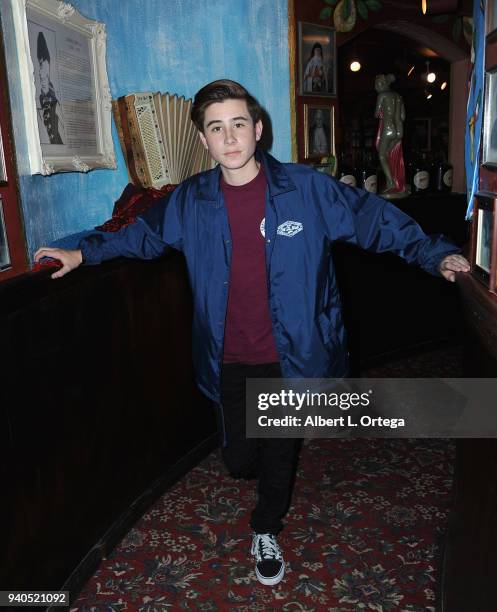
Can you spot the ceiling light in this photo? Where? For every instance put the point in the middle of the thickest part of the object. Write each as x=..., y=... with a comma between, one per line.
x=424, y=4
x=429, y=96
x=355, y=66
x=443, y=85
x=410, y=70
x=430, y=77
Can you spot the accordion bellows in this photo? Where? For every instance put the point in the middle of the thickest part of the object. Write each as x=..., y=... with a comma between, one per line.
x=159, y=141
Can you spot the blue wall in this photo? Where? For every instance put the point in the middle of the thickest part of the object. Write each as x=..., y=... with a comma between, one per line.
x=158, y=45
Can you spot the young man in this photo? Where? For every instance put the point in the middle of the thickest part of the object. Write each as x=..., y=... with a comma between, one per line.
x=256, y=235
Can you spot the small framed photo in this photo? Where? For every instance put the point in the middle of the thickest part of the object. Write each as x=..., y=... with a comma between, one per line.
x=4, y=246
x=3, y=171
x=317, y=60
x=319, y=131
x=489, y=150
x=484, y=241
x=491, y=17
x=65, y=91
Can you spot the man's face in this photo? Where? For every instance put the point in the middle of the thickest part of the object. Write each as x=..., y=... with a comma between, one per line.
x=44, y=74
x=230, y=134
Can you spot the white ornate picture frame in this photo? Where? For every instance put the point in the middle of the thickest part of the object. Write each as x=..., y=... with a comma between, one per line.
x=65, y=90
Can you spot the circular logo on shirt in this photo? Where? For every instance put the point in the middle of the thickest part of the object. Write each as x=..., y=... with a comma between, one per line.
x=262, y=227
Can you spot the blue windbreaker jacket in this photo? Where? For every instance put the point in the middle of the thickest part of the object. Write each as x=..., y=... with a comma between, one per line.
x=306, y=211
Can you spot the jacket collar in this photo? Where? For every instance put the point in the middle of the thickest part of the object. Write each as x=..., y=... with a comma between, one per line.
x=276, y=176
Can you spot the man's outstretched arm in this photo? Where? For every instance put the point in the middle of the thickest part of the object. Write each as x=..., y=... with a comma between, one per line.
x=147, y=238
x=373, y=224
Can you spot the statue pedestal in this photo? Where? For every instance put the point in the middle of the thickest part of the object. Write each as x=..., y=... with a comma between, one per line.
x=394, y=195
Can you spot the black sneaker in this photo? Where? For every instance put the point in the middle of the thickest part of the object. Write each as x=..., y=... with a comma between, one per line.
x=269, y=567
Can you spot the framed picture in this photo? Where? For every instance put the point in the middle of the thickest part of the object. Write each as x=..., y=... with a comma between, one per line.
x=484, y=241
x=490, y=16
x=319, y=131
x=3, y=171
x=4, y=246
x=317, y=60
x=489, y=150
x=65, y=91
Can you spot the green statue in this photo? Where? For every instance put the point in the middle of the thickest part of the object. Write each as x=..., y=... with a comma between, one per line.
x=391, y=113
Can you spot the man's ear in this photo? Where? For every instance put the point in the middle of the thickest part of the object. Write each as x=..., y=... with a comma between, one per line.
x=258, y=130
x=203, y=139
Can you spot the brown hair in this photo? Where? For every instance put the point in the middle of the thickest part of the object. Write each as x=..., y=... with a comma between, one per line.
x=219, y=91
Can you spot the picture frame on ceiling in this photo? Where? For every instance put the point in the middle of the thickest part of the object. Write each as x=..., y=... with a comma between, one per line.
x=65, y=91
x=484, y=240
x=3, y=169
x=317, y=60
x=319, y=131
x=491, y=18
x=489, y=147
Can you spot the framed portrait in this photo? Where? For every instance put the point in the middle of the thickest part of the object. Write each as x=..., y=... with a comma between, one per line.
x=65, y=90
x=319, y=131
x=3, y=170
x=489, y=149
x=491, y=17
x=317, y=60
x=484, y=245
x=4, y=246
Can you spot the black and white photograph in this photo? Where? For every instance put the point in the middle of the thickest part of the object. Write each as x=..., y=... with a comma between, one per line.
x=489, y=151
x=484, y=239
x=48, y=98
x=319, y=131
x=4, y=247
x=491, y=16
x=317, y=60
x=3, y=170
x=65, y=91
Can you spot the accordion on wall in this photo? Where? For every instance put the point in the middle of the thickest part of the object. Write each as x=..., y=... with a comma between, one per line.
x=159, y=141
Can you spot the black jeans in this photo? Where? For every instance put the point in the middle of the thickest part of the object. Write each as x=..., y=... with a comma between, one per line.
x=272, y=460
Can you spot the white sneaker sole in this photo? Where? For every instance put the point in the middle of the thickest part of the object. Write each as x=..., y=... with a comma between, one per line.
x=271, y=581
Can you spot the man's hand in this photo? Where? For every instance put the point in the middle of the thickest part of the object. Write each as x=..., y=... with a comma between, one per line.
x=452, y=264
x=69, y=259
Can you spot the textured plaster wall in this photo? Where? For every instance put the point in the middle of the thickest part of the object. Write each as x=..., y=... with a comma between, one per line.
x=157, y=45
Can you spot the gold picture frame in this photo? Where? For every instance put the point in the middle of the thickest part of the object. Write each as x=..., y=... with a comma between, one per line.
x=319, y=131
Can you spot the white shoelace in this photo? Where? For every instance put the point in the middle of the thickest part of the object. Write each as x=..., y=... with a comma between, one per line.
x=264, y=546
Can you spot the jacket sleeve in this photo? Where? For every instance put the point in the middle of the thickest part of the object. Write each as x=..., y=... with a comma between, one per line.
x=148, y=237
x=372, y=223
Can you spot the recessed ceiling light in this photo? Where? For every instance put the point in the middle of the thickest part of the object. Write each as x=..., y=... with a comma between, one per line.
x=443, y=85
x=355, y=66
x=431, y=77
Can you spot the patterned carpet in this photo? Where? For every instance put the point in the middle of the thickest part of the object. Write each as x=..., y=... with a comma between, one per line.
x=363, y=531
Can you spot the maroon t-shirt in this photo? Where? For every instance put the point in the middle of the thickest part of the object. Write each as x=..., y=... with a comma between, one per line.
x=248, y=333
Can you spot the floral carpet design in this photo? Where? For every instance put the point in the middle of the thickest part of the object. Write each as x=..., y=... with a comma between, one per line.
x=363, y=533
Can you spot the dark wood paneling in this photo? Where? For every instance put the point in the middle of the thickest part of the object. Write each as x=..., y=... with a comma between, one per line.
x=469, y=580
x=98, y=401
x=390, y=306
